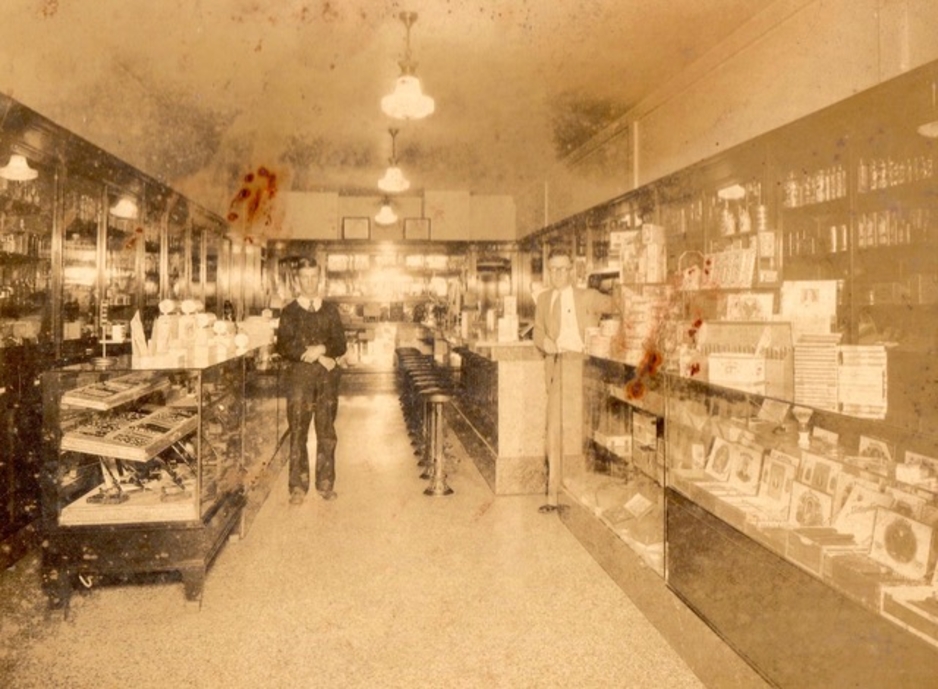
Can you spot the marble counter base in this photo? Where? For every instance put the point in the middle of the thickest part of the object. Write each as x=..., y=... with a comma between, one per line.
x=504, y=475
x=521, y=476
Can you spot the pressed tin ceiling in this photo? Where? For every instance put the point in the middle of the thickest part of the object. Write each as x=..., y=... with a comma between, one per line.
x=198, y=93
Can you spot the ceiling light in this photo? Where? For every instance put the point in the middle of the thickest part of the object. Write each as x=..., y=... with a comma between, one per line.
x=393, y=180
x=930, y=129
x=734, y=192
x=18, y=169
x=386, y=216
x=407, y=101
x=125, y=208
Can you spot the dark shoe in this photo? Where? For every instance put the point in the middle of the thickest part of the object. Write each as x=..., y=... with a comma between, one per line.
x=297, y=496
x=328, y=494
x=547, y=509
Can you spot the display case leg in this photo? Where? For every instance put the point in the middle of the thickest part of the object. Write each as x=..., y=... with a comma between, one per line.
x=193, y=580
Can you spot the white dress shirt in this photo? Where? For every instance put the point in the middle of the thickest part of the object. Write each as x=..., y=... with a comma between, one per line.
x=569, y=339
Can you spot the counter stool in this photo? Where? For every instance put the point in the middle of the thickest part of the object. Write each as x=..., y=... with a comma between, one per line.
x=438, y=484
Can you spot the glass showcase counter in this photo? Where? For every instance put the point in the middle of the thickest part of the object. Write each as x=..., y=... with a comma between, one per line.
x=148, y=470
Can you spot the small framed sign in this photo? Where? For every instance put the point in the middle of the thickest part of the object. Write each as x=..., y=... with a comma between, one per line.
x=356, y=228
x=416, y=228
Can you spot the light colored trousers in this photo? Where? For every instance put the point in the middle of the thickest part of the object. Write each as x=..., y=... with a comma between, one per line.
x=564, y=375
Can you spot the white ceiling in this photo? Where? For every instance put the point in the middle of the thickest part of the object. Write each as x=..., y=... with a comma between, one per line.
x=198, y=93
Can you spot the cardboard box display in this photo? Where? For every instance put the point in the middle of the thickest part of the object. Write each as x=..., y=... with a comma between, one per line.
x=858, y=576
x=915, y=608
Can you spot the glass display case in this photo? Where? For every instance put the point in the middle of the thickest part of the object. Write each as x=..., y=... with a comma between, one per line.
x=619, y=475
x=144, y=469
x=791, y=344
x=789, y=509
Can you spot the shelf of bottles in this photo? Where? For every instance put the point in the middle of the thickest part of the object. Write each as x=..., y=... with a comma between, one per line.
x=25, y=259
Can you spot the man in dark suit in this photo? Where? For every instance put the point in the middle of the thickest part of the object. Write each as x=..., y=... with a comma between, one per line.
x=311, y=337
x=562, y=315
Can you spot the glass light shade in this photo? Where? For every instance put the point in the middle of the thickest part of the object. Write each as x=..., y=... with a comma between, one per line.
x=125, y=208
x=393, y=180
x=407, y=101
x=18, y=169
x=929, y=129
x=386, y=216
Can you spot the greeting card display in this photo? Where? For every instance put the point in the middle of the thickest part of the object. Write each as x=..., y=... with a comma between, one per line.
x=902, y=544
x=718, y=461
x=778, y=475
x=844, y=489
x=809, y=506
x=907, y=503
x=819, y=473
x=745, y=468
x=858, y=514
x=876, y=454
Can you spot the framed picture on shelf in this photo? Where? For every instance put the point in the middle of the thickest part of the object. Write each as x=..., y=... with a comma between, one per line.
x=356, y=228
x=417, y=228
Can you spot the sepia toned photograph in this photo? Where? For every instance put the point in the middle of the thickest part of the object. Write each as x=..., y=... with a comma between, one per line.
x=505, y=343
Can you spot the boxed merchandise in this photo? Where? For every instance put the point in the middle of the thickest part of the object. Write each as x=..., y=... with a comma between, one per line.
x=915, y=607
x=738, y=371
x=807, y=546
x=859, y=576
x=773, y=537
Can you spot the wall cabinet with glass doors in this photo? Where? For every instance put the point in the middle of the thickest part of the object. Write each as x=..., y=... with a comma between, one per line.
x=793, y=343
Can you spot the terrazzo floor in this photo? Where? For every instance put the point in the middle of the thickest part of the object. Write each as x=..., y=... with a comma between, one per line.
x=384, y=587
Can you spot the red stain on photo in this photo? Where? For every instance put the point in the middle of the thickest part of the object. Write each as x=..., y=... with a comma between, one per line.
x=253, y=201
x=132, y=242
x=651, y=362
x=695, y=328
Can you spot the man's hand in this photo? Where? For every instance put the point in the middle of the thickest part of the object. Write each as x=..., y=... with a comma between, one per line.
x=550, y=346
x=312, y=353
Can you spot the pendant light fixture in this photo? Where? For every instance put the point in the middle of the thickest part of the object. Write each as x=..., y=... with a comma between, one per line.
x=407, y=101
x=930, y=129
x=125, y=208
x=393, y=180
x=18, y=169
x=386, y=216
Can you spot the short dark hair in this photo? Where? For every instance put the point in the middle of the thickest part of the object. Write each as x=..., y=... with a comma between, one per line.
x=559, y=251
x=306, y=263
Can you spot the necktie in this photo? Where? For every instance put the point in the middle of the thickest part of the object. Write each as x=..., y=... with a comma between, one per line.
x=555, y=321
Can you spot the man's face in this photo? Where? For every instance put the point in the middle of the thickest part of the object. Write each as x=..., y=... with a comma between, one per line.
x=308, y=279
x=559, y=268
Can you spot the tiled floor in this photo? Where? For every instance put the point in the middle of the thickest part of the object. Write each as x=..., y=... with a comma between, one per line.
x=384, y=587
